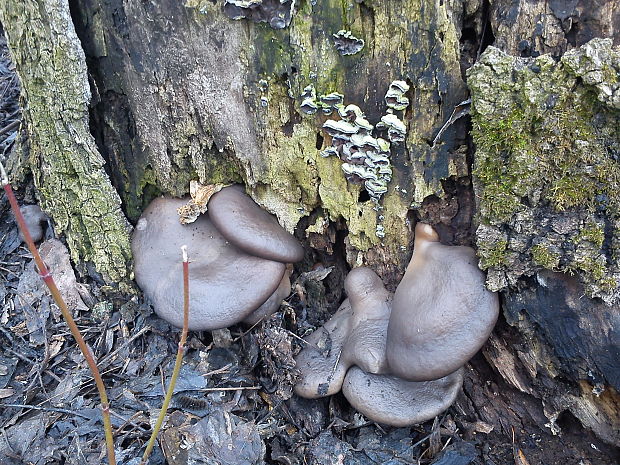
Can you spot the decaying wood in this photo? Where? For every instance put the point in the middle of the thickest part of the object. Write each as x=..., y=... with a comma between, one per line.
x=176, y=91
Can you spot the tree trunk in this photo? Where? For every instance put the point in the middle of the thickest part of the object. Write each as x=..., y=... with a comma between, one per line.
x=167, y=92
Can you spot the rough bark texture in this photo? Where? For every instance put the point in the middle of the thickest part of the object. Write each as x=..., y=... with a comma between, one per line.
x=546, y=175
x=68, y=168
x=218, y=100
x=182, y=92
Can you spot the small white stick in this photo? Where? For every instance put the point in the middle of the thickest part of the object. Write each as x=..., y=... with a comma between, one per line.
x=3, y=177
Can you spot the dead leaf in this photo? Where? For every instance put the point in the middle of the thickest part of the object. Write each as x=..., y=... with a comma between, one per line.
x=7, y=392
x=56, y=257
x=197, y=205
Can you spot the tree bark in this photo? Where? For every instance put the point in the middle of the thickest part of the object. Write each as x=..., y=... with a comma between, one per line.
x=67, y=167
x=181, y=92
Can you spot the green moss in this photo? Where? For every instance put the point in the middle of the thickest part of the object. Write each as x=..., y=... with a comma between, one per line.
x=546, y=168
x=552, y=154
x=493, y=254
x=545, y=257
x=272, y=53
x=592, y=233
x=594, y=267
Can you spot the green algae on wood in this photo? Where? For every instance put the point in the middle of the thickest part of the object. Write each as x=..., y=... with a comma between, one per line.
x=546, y=169
x=67, y=167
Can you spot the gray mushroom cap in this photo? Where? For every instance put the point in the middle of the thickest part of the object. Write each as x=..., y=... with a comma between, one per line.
x=226, y=284
x=442, y=312
x=372, y=305
x=252, y=229
x=272, y=304
x=355, y=335
x=321, y=373
x=396, y=402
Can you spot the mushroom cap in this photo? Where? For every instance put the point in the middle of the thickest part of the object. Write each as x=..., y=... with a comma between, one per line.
x=321, y=371
x=442, y=313
x=272, y=304
x=394, y=401
x=252, y=229
x=34, y=217
x=226, y=284
x=354, y=335
x=372, y=305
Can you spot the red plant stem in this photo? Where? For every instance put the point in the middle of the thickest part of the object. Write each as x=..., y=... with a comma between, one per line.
x=49, y=281
x=177, y=362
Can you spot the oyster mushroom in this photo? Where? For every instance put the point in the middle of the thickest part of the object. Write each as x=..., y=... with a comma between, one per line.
x=321, y=373
x=396, y=402
x=240, y=220
x=226, y=283
x=355, y=335
x=442, y=313
x=400, y=361
x=272, y=304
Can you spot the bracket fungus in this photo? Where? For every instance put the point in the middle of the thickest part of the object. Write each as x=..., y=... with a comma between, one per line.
x=277, y=13
x=229, y=283
x=346, y=43
x=399, y=359
x=366, y=158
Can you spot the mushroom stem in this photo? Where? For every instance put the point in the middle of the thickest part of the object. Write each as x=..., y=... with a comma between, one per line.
x=177, y=363
x=425, y=235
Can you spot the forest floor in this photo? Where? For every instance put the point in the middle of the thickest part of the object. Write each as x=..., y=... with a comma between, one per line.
x=233, y=403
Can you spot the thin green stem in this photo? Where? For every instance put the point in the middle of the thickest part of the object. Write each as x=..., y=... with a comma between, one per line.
x=49, y=281
x=178, y=361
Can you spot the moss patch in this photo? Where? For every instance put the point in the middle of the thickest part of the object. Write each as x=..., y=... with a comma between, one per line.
x=493, y=254
x=545, y=257
x=546, y=165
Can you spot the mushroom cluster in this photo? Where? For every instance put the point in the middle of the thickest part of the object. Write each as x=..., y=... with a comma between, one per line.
x=396, y=101
x=365, y=158
x=399, y=359
x=238, y=256
x=327, y=103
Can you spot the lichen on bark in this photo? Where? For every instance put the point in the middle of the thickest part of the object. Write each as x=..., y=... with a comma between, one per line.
x=67, y=167
x=546, y=170
x=298, y=180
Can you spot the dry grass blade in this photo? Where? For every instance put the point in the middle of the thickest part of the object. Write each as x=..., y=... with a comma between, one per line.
x=177, y=363
x=518, y=455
